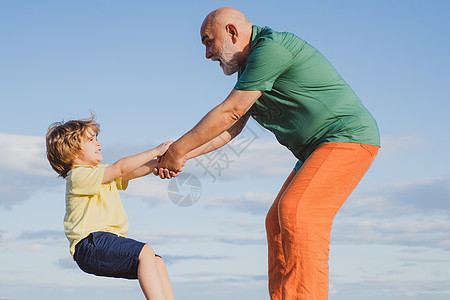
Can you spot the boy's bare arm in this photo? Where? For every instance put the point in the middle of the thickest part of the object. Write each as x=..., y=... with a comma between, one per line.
x=146, y=169
x=123, y=167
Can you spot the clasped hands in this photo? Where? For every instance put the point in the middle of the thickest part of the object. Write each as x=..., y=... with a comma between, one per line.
x=170, y=164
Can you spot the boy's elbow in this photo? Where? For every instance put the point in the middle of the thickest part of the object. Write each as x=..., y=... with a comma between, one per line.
x=118, y=169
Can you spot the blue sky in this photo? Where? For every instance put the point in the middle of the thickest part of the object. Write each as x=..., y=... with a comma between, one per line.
x=140, y=67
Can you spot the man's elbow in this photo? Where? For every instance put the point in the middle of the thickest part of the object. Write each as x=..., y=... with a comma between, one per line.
x=233, y=116
x=236, y=129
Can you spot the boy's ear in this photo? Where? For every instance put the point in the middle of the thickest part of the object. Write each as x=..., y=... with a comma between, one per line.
x=73, y=158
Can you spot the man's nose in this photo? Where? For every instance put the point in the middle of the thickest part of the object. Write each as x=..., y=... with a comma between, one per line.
x=208, y=53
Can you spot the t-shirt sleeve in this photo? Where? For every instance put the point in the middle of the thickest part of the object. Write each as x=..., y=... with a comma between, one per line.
x=86, y=181
x=265, y=63
x=121, y=185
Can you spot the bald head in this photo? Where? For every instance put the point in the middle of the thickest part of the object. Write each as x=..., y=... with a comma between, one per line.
x=226, y=15
x=226, y=33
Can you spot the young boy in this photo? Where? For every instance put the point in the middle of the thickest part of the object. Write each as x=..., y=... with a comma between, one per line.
x=96, y=223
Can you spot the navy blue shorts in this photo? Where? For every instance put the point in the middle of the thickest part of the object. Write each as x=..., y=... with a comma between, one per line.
x=106, y=254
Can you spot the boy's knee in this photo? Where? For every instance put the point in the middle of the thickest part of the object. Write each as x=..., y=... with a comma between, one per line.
x=146, y=252
x=159, y=260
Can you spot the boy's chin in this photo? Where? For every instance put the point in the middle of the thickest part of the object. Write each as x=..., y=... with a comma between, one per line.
x=98, y=162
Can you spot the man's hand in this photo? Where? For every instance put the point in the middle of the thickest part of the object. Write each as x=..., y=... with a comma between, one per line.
x=170, y=164
x=165, y=173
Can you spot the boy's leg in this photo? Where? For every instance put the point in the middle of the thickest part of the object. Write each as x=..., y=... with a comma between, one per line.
x=164, y=277
x=306, y=211
x=106, y=254
x=275, y=251
x=148, y=275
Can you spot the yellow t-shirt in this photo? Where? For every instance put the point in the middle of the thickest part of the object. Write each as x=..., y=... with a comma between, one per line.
x=92, y=206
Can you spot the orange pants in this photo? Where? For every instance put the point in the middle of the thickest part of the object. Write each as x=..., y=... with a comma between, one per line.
x=299, y=222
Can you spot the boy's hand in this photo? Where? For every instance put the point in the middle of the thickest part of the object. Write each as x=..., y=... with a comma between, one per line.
x=163, y=148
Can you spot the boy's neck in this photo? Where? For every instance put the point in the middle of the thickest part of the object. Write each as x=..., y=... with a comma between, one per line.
x=79, y=162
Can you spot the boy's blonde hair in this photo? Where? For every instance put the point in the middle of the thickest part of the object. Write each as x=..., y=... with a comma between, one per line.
x=63, y=141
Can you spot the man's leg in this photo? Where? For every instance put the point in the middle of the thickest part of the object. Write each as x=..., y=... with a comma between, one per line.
x=306, y=212
x=275, y=251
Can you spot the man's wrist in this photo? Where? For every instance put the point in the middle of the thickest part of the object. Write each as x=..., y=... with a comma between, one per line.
x=175, y=150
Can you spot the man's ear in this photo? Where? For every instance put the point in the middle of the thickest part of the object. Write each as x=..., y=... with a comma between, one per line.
x=232, y=31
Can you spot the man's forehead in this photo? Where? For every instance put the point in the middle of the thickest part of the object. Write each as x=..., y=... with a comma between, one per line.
x=208, y=29
x=205, y=31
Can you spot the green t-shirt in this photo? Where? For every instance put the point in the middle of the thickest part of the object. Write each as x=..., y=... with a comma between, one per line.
x=305, y=102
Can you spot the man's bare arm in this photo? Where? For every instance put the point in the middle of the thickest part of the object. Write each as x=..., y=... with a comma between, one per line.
x=212, y=125
x=220, y=140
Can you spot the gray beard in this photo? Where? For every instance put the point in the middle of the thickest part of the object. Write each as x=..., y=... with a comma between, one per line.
x=228, y=58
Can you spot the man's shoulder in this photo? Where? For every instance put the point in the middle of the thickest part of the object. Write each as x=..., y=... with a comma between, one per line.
x=263, y=33
x=268, y=33
x=266, y=38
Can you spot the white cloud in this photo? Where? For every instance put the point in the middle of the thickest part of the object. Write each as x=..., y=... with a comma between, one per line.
x=392, y=145
x=391, y=289
x=42, y=235
x=406, y=213
x=66, y=262
x=31, y=240
x=263, y=156
x=21, y=154
x=420, y=197
x=172, y=259
x=24, y=169
x=251, y=202
x=149, y=187
x=190, y=237
x=395, y=231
